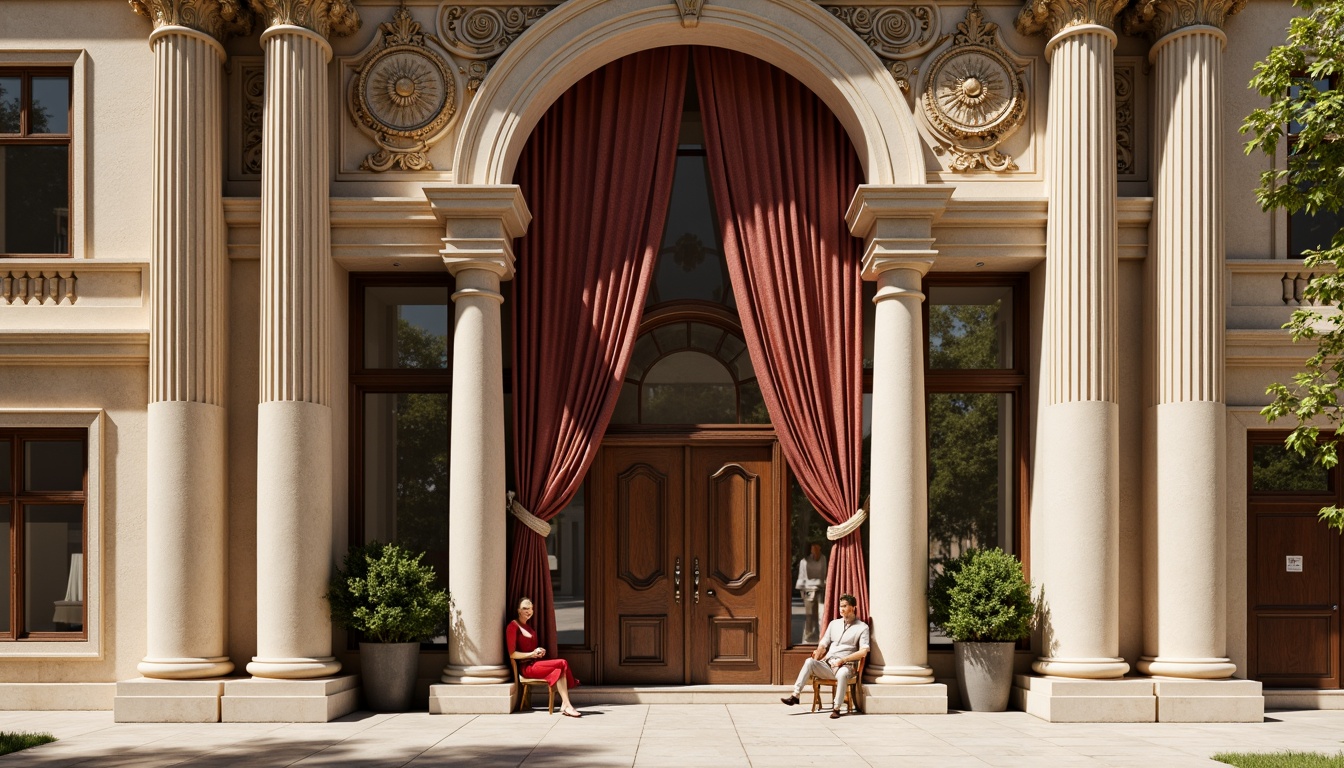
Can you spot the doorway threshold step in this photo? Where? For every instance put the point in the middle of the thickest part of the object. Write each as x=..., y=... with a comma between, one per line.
x=672, y=694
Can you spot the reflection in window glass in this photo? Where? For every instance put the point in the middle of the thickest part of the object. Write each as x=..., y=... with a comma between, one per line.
x=6, y=533
x=53, y=567
x=10, y=105
x=406, y=327
x=971, y=482
x=970, y=327
x=6, y=457
x=406, y=475
x=53, y=465
x=564, y=550
x=690, y=264
x=1274, y=467
x=689, y=388
x=36, y=205
x=51, y=105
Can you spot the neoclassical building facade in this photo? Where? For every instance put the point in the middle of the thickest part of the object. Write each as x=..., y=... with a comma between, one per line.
x=624, y=304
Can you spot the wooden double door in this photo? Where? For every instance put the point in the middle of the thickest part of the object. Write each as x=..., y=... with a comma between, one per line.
x=691, y=586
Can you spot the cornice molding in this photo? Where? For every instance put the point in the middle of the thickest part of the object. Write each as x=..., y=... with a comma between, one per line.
x=217, y=18
x=328, y=18
x=1158, y=18
x=1053, y=16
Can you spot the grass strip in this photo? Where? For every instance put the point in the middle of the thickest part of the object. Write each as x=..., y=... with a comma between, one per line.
x=1280, y=759
x=13, y=741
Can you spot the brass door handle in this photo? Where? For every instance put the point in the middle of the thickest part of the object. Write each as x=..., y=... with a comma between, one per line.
x=676, y=582
x=695, y=577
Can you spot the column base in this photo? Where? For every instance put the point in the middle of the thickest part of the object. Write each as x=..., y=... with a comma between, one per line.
x=493, y=699
x=289, y=701
x=890, y=674
x=294, y=669
x=146, y=700
x=907, y=699
x=1082, y=669
x=483, y=674
x=1209, y=701
x=1059, y=700
x=1195, y=669
x=185, y=669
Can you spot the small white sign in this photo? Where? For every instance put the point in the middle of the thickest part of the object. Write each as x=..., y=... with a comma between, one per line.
x=1294, y=563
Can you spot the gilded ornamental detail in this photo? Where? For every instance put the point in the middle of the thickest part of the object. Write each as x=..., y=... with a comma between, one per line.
x=216, y=18
x=480, y=33
x=974, y=97
x=896, y=33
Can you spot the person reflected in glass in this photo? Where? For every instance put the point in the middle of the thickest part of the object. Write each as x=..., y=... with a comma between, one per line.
x=812, y=583
x=845, y=641
x=522, y=642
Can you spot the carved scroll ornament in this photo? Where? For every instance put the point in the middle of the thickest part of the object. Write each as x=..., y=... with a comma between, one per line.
x=481, y=33
x=217, y=18
x=896, y=33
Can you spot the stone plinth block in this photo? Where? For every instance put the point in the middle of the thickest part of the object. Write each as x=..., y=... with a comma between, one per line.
x=919, y=699
x=1067, y=700
x=1303, y=698
x=261, y=700
x=1209, y=701
x=490, y=699
x=56, y=696
x=147, y=700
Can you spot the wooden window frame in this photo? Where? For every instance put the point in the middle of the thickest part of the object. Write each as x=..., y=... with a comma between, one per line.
x=26, y=139
x=16, y=499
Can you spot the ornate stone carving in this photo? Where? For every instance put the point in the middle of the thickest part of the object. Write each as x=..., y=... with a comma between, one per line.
x=404, y=95
x=1051, y=16
x=1124, y=119
x=896, y=33
x=1161, y=17
x=480, y=33
x=253, y=77
x=217, y=18
x=328, y=18
x=690, y=11
x=974, y=97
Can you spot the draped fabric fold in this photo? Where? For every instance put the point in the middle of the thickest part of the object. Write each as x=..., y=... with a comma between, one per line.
x=783, y=172
x=597, y=175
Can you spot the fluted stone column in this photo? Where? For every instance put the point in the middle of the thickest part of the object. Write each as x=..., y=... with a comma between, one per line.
x=186, y=501
x=895, y=223
x=294, y=459
x=481, y=223
x=1075, y=509
x=1185, y=630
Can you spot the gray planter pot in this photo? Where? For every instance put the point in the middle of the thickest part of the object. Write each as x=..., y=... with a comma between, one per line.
x=984, y=675
x=387, y=672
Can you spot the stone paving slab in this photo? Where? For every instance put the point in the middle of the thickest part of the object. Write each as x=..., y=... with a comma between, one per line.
x=652, y=735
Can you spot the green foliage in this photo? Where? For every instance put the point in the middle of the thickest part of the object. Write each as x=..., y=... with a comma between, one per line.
x=13, y=741
x=385, y=593
x=982, y=597
x=1280, y=759
x=1311, y=181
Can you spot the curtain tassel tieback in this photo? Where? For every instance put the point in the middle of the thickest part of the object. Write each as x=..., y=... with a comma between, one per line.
x=837, y=532
x=539, y=526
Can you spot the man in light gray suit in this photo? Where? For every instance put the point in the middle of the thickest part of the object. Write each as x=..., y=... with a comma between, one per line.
x=846, y=640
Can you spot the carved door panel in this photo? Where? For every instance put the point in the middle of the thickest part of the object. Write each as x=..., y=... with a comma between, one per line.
x=733, y=542
x=643, y=491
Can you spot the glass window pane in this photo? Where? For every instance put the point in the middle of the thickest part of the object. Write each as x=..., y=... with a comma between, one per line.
x=970, y=327
x=705, y=337
x=671, y=337
x=406, y=474
x=6, y=524
x=564, y=550
x=689, y=388
x=645, y=353
x=6, y=464
x=1312, y=232
x=10, y=105
x=53, y=567
x=690, y=263
x=53, y=465
x=752, y=406
x=406, y=327
x=807, y=573
x=1274, y=467
x=971, y=480
x=627, y=405
x=51, y=105
x=35, y=214
x=732, y=347
x=869, y=322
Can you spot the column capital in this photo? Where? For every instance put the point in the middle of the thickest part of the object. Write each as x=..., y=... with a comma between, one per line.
x=480, y=223
x=1054, y=16
x=1159, y=18
x=328, y=18
x=217, y=18
x=897, y=224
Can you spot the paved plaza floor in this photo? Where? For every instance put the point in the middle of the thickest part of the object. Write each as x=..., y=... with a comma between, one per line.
x=664, y=735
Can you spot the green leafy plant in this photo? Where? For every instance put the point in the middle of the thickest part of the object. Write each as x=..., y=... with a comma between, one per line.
x=13, y=741
x=385, y=593
x=982, y=597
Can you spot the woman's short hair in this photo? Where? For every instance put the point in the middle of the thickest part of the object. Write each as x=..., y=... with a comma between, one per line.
x=521, y=600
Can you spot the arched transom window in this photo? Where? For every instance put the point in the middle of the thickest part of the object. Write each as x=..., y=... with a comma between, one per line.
x=690, y=372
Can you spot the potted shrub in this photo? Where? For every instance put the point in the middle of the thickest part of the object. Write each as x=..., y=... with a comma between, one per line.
x=387, y=595
x=982, y=601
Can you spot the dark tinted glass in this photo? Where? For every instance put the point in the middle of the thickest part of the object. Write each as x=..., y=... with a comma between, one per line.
x=6, y=456
x=10, y=104
x=51, y=105
x=53, y=465
x=53, y=567
x=36, y=215
x=6, y=523
x=690, y=264
x=1276, y=468
x=1312, y=232
x=406, y=327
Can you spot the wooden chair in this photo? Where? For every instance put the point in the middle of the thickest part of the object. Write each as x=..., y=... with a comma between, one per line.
x=526, y=683
x=853, y=691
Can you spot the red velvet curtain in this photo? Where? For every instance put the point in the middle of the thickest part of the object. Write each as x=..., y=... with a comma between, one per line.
x=783, y=172
x=597, y=175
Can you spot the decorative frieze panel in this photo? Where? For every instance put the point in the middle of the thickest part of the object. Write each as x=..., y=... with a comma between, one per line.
x=50, y=287
x=1131, y=129
x=480, y=33
x=247, y=90
x=898, y=34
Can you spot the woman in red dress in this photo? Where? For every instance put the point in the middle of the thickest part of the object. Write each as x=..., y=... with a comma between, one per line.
x=522, y=640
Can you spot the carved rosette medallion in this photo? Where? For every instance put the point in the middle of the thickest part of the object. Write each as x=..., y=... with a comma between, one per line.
x=974, y=97
x=896, y=33
x=404, y=95
x=480, y=34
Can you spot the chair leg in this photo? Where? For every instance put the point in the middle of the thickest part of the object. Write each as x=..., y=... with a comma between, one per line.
x=522, y=696
x=816, y=695
x=550, y=702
